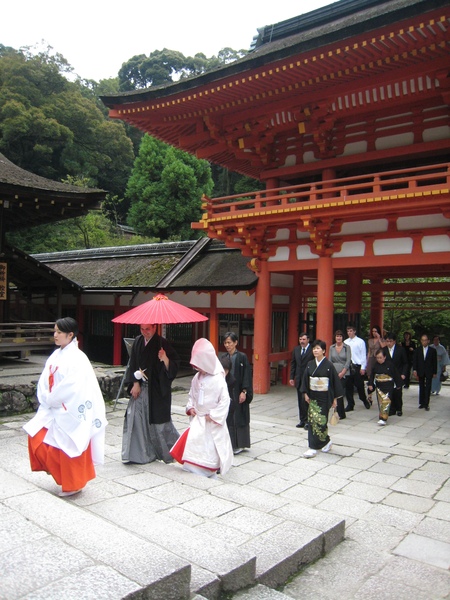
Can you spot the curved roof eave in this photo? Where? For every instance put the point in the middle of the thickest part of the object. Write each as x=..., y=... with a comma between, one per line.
x=319, y=35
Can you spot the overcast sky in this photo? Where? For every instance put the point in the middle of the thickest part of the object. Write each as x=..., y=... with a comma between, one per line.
x=96, y=36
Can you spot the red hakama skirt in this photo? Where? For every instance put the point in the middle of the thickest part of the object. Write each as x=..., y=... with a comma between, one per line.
x=70, y=473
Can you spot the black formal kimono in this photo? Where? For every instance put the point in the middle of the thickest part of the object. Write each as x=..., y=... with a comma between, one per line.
x=148, y=431
x=239, y=421
x=322, y=385
x=384, y=378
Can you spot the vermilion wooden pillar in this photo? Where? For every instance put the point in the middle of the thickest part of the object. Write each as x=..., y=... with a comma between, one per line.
x=263, y=330
x=376, y=306
x=272, y=183
x=325, y=300
x=354, y=293
x=80, y=321
x=213, y=322
x=295, y=306
x=117, y=335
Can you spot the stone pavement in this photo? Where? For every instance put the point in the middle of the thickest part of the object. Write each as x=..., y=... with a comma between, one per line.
x=272, y=527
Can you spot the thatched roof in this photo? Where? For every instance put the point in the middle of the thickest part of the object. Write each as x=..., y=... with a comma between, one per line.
x=29, y=199
x=202, y=265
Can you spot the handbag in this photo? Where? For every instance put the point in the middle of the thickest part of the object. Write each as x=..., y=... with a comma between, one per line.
x=334, y=417
x=443, y=376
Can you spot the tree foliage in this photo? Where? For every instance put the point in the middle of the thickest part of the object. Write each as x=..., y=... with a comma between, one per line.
x=166, y=66
x=94, y=230
x=50, y=126
x=408, y=311
x=165, y=191
x=54, y=124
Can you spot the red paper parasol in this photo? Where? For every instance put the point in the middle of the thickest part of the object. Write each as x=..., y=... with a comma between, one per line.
x=158, y=311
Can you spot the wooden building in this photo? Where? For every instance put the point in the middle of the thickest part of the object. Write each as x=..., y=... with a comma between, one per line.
x=26, y=285
x=204, y=275
x=344, y=114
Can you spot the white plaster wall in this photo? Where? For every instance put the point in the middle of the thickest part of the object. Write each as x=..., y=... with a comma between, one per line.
x=422, y=222
x=282, y=254
x=393, y=246
x=240, y=300
x=304, y=253
x=436, y=243
x=351, y=249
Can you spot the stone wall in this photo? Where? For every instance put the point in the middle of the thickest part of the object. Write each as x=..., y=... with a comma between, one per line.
x=21, y=398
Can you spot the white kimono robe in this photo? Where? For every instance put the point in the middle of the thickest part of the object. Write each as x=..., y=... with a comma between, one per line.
x=74, y=410
x=208, y=443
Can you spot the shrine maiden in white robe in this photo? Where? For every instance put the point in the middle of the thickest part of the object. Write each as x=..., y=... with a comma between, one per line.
x=71, y=405
x=208, y=443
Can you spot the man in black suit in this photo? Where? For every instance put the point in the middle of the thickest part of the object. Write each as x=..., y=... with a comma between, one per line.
x=397, y=355
x=301, y=356
x=425, y=368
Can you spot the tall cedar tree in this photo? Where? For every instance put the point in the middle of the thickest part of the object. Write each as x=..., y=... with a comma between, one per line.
x=165, y=191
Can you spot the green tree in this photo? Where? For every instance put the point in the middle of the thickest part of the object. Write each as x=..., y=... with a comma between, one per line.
x=165, y=66
x=165, y=191
x=54, y=127
x=94, y=230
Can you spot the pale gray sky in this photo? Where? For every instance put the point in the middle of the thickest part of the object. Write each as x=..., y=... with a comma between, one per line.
x=96, y=36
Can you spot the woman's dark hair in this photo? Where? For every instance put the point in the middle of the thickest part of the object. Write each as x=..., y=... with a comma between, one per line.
x=377, y=327
x=338, y=332
x=230, y=334
x=320, y=343
x=67, y=325
x=225, y=361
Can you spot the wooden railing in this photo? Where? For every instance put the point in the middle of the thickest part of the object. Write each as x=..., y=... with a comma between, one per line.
x=21, y=338
x=413, y=180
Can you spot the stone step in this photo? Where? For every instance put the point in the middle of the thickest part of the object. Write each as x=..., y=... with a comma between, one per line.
x=132, y=541
x=65, y=547
x=260, y=592
x=285, y=549
x=217, y=567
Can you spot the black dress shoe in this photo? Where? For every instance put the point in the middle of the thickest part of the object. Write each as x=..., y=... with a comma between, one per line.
x=306, y=426
x=421, y=406
x=348, y=408
x=399, y=413
x=299, y=425
x=427, y=408
x=366, y=404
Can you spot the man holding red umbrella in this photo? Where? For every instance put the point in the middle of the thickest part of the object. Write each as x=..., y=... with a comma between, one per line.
x=148, y=432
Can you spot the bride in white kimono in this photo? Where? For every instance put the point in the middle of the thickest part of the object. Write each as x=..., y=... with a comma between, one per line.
x=205, y=447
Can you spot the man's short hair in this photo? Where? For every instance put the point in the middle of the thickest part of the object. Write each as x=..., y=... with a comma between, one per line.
x=391, y=336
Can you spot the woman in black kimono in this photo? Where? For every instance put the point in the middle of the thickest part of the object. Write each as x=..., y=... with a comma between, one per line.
x=384, y=378
x=239, y=421
x=321, y=386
